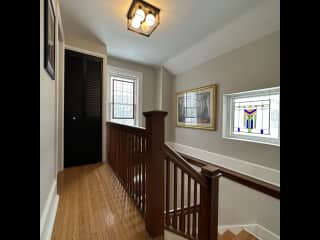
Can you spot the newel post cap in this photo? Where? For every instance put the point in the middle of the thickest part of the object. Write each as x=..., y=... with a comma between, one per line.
x=155, y=112
x=210, y=171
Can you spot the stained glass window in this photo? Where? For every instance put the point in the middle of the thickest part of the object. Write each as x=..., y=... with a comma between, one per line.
x=253, y=115
x=123, y=100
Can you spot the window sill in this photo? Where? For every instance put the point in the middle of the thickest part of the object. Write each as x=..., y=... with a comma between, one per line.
x=273, y=143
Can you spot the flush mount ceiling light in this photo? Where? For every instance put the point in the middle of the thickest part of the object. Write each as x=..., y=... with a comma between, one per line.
x=143, y=18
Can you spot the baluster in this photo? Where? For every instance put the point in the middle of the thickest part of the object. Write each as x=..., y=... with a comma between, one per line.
x=194, y=220
x=139, y=172
x=167, y=191
x=135, y=169
x=143, y=173
x=132, y=165
x=189, y=212
x=182, y=217
x=175, y=197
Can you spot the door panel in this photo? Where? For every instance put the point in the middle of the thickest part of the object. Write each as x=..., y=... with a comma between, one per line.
x=83, y=88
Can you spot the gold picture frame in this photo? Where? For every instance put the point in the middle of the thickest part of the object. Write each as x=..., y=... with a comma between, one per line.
x=196, y=108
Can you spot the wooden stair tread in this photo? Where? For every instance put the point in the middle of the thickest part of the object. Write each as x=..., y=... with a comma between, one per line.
x=244, y=235
x=227, y=235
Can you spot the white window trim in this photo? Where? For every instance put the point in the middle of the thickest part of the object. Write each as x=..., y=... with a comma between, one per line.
x=227, y=117
x=125, y=73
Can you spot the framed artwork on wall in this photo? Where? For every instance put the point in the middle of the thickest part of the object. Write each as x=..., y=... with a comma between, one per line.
x=49, y=38
x=196, y=108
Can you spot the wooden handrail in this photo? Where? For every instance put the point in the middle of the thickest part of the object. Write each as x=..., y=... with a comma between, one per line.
x=129, y=128
x=183, y=164
x=259, y=185
x=192, y=222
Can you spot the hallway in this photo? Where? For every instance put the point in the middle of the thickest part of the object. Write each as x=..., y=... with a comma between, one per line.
x=93, y=205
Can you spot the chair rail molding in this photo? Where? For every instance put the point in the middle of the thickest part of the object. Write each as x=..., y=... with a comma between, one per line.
x=259, y=172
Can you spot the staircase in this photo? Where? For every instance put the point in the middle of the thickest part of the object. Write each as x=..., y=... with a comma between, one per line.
x=140, y=159
x=242, y=235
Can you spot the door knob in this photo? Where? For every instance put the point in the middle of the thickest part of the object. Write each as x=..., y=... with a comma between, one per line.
x=74, y=118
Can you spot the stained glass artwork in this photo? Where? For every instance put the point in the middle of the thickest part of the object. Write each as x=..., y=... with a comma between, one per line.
x=253, y=115
x=250, y=119
x=123, y=99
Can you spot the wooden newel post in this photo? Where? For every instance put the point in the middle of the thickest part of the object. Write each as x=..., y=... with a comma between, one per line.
x=209, y=199
x=154, y=216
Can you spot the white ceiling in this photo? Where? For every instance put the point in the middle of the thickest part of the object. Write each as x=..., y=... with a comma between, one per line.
x=183, y=24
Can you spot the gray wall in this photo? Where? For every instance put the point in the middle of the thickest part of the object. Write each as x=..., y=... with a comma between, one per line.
x=149, y=80
x=254, y=66
x=167, y=90
x=47, y=124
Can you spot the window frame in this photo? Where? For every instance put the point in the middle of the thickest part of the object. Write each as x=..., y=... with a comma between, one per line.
x=228, y=115
x=137, y=78
x=113, y=78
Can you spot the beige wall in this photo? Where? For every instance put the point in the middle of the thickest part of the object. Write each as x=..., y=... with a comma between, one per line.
x=149, y=81
x=167, y=90
x=238, y=204
x=89, y=45
x=48, y=164
x=158, y=96
x=254, y=66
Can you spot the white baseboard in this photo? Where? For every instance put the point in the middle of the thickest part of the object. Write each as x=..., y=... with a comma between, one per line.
x=255, y=229
x=49, y=213
x=260, y=172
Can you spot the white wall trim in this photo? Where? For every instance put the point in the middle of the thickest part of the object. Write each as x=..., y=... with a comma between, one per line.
x=268, y=175
x=104, y=91
x=256, y=230
x=49, y=213
x=59, y=20
x=85, y=51
x=139, y=91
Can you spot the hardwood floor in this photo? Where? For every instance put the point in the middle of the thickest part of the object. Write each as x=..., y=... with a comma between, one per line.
x=93, y=206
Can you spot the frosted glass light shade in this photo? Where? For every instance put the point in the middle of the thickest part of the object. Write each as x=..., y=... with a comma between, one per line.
x=150, y=20
x=145, y=27
x=140, y=15
x=135, y=23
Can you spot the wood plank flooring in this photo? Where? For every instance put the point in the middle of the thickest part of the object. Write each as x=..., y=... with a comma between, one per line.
x=93, y=206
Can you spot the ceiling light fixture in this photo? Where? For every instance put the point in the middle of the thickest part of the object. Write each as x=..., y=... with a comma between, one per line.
x=143, y=18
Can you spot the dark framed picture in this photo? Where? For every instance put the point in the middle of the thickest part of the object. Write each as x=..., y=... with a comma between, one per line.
x=196, y=108
x=49, y=38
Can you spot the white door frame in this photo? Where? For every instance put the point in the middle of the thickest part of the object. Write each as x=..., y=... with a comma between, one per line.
x=60, y=39
x=104, y=92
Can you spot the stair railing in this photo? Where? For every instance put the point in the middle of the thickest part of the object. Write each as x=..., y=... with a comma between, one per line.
x=166, y=189
x=136, y=156
x=191, y=198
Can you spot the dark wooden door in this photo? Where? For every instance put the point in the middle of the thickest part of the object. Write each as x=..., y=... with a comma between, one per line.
x=82, y=109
